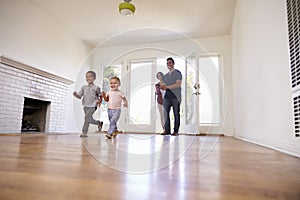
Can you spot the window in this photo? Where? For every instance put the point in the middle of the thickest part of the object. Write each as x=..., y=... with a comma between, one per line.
x=293, y=7
x=297, y=114
x=293, y=14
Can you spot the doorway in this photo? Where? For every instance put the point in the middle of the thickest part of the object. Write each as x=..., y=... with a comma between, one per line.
x=203, y=94
x=140, y=115
x=143, y=115
x=200, y=110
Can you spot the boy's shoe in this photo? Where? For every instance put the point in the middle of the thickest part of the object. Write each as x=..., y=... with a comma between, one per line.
x=108, y=136
x=114, y=134
x=83, y=135
x=100, y=124
x=164, y=133
x=175, y=134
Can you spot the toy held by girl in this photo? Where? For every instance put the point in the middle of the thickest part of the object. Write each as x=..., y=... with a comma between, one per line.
x=114, y=97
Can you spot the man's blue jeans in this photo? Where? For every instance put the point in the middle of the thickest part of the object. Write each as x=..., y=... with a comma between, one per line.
x=175, y=104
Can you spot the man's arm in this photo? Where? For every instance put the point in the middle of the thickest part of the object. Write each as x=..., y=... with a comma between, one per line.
x=176, y=85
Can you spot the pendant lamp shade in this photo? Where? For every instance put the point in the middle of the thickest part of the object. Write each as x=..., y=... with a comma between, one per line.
x=126, y=8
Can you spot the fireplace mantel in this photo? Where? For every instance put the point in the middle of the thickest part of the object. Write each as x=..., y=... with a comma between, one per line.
x=16, y=64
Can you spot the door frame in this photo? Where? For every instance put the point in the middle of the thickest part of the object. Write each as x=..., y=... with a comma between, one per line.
x=140, y=128
x=194, y=127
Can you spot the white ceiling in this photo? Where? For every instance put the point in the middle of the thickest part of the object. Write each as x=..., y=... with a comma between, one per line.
x=97, y=20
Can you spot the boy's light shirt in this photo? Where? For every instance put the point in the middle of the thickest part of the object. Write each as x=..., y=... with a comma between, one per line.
x=90, y=94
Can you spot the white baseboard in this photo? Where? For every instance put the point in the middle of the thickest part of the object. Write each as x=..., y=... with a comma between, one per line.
x=270, y=147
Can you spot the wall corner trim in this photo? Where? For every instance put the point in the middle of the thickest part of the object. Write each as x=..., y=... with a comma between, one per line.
x=19, y=65
x=270, y=147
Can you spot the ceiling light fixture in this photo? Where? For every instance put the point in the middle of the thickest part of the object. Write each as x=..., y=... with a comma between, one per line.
x=126, y=8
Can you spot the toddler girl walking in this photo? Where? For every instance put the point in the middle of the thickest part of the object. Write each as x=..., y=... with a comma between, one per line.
x=114, y=97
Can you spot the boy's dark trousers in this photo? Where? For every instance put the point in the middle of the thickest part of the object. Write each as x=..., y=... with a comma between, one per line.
x=88, y=119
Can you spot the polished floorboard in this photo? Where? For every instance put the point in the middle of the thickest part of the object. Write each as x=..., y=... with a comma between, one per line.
x=136, y=166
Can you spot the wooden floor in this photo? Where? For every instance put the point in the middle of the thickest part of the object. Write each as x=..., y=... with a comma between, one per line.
x=143, y=167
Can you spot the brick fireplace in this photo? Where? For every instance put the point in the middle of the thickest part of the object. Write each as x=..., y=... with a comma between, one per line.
x=25, y=90
x=35, y=115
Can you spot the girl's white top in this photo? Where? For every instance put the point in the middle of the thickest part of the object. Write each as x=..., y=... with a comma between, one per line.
x=115, y=99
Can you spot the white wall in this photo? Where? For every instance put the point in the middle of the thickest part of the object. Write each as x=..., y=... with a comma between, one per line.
x=261, y=78
x=30, y=36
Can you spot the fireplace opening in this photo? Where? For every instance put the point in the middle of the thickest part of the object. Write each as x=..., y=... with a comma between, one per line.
x=34, y=115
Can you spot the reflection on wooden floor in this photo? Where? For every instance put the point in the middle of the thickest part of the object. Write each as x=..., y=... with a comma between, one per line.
x=143, y=167
x=133, y=153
